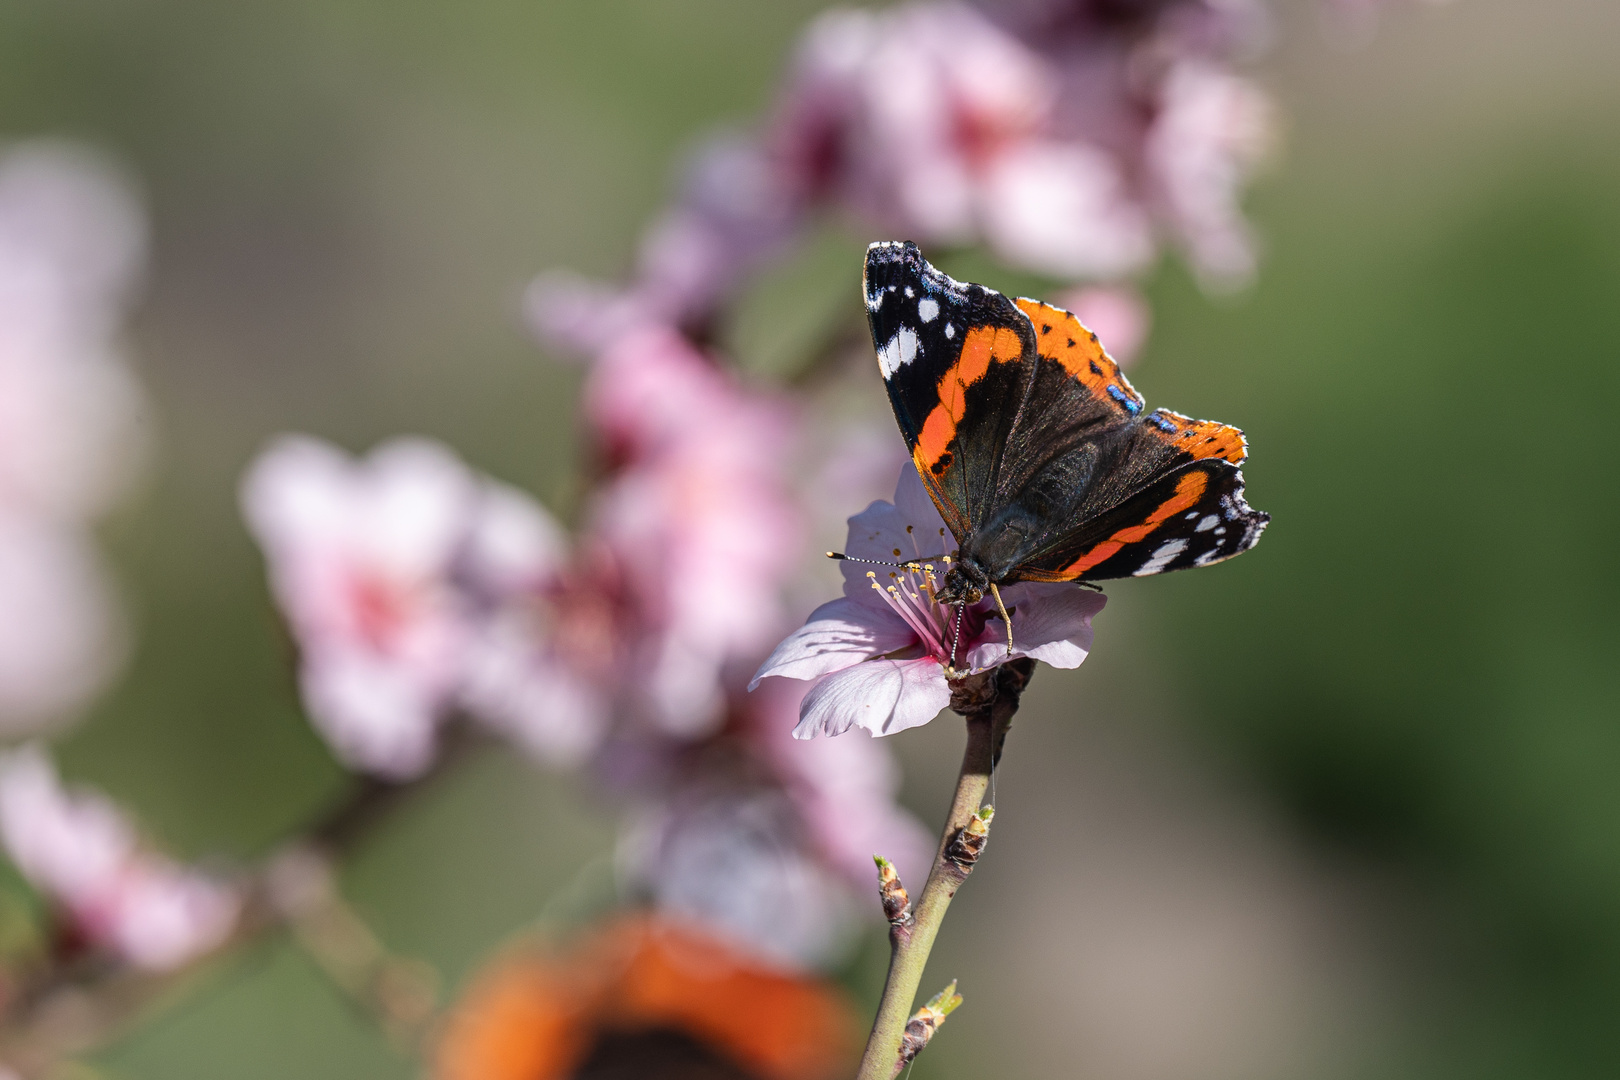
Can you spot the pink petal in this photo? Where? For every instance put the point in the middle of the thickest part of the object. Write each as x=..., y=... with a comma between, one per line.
x=882, y=696
x=838, y=634
x=909, y=525
x=1051, y=623
x=917, y=509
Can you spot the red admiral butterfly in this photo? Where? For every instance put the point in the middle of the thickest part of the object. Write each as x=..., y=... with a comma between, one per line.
x=1034, y=446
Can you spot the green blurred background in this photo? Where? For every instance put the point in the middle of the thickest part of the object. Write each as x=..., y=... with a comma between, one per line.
x=1347, y=807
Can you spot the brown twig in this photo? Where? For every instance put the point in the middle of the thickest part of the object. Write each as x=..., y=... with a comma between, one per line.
x=987, y=702
x=76, y=1003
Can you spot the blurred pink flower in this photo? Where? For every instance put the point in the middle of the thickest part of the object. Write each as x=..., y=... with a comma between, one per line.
x=929, y=120
x=360, y=556
x=539, y=663
x=845, y=790
x=734, y=211
x=1116, y=314
x=1047, y=131
x=1212, y=131
x=71, y=243
x=1070, y=137
x=736, y=859
x=80, y=850
x=695, y=516
x=60, y=637
x=769, y=841
x=415, y=587
x=881, y=656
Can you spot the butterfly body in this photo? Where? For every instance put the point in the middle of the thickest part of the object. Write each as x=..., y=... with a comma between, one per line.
x=1038, y=453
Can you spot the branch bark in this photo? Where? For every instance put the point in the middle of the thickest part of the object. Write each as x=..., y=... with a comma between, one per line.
x=987, y=702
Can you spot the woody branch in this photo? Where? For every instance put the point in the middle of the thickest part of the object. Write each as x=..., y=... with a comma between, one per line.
x=987, y=702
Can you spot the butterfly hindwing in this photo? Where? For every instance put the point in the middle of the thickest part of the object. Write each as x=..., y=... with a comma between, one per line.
x=1194, y=515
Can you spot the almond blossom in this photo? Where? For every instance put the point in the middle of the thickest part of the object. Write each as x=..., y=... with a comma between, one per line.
x=72, y=241
x=932, y=120
x=360, y=557
x=538, y=663
x=1072, y=138
x=766, y=841
x=694, y=515
x=71, y=244
x=883, y=655
x=60, y=635
x=80, y=850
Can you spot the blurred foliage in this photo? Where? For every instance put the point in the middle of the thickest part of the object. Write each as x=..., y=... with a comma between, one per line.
x=1425, y=670
x=1419, y=661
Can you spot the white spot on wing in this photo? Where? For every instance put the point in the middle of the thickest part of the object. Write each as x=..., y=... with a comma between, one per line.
x=1209, y=522
x=950, y=331
x=928, y=309
x=1163, y=557
x=900, y=351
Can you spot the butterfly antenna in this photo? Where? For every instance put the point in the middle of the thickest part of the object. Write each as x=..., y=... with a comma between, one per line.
x=1006, y=618
x=909, y=564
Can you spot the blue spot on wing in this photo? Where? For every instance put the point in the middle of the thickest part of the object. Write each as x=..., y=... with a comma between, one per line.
x=1132, y=406
x=1158, y=420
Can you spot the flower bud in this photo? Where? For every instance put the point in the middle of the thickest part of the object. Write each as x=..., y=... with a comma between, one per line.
x=896, y=901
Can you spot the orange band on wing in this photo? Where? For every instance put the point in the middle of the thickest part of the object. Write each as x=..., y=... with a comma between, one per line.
x=981, y=345
x=1200, y=438
x=1060, y=336
x=1189, y=489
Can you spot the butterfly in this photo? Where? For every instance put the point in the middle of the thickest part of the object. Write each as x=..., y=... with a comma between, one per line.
x=1036, y=450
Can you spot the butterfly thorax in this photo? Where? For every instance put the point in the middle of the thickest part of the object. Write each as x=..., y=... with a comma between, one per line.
x=965, y=582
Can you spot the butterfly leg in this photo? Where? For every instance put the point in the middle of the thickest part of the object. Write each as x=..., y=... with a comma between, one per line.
x=1006, y=618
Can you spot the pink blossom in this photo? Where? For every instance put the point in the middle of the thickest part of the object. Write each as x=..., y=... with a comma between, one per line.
x=71, y=242
x=695, y=518
x=845, y=789
x=1116, y=314
x=931, y=121
x=734, y=211
x=1212, y=130
x=78, y=848
x=736, y=859
x=360, y=556
x=769, y=841
x=1071, y=137
x=882, y=656
x=538, y=666
x=60, y=635
x=1045, y=130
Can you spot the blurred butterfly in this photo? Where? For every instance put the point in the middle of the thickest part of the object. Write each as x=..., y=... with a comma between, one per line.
x=1036, y=450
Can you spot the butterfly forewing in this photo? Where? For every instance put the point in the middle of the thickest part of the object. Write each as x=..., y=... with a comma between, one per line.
x=956, y=361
